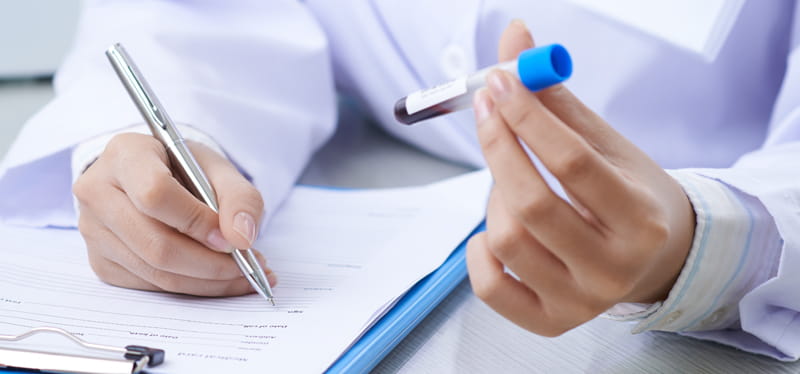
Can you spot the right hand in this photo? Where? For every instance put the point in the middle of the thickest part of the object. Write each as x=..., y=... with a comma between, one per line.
x=144, y=230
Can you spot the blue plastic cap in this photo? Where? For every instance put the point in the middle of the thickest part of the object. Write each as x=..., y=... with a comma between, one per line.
x=543, y=67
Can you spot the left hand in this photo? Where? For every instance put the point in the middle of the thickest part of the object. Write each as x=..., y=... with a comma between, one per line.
x=623, y=237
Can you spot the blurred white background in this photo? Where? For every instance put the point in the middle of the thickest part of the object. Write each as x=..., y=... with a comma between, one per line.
x=34, y=36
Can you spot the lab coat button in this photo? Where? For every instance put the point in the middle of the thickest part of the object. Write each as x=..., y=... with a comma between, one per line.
x=454, y=61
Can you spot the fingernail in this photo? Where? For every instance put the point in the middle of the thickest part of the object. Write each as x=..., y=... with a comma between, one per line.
x=272, y=279
x=498, y=85
x=519, y=22
x=218, y=242
x=245, y=225
x=482, y=104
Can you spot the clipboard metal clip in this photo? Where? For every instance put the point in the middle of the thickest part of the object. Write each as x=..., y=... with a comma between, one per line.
x=136, y=357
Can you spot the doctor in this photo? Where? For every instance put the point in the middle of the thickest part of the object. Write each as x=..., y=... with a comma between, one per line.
x=706, y=251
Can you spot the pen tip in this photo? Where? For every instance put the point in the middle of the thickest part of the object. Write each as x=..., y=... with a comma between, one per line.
x=272, y=301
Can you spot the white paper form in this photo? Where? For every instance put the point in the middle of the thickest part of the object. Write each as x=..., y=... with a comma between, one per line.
x=340, y=256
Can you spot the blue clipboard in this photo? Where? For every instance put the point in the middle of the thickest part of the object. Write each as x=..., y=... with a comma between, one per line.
x=409, y=311
x=406, y=314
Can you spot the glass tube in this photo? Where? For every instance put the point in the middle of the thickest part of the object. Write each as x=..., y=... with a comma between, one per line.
x=537, y=68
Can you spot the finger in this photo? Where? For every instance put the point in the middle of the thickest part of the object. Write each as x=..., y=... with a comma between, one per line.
x=116, y=275
x=160, y=246
x=272, y=278
x=502, y=292
x=582, y=170
x=240, y=204
x=154, y=191
x=98, y=247
x=562, y=103
x=515, y=39
x=535, y=266
x=547, y=217
x=133, y=272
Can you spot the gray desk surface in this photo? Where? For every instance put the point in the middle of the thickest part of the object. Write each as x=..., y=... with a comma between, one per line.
x=462, y=334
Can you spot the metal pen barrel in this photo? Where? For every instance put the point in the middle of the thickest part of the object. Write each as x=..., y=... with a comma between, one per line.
x=185, y=166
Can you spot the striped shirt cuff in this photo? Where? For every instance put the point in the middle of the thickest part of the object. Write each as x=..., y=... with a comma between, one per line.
x=735, y=248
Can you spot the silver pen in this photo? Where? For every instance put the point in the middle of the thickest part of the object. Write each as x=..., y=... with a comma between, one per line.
x=185, y=166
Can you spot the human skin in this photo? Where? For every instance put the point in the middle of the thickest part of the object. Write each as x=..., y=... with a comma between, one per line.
x=623, y=236
x=144, y=230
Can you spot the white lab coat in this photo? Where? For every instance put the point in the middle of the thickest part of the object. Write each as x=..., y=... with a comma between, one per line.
x=258, y=77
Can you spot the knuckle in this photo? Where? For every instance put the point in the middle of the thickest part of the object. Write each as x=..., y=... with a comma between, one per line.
x=153, y=193
x=99, y=266
x=85, y=189
x=558, y=321
x=487, y=287
x=234, y=288
x=125, y=148
x=650, y=236
x=524, y=117
x=624, y=268
x=219, y=271
x=491, y=138
x=655, y=232
x=614, y=285
x=80, y=189
x=246, y=195
x=550, y=322
x=157, y=252
x=120, y=144
x=573, y=162
x=123, y=139
x=503, y=240
x=117, y=144
x=652, y=229
x=252, y=197
x=537, y=206
x=560, y=91
x=196, y=221
x=473, y=248
x=152, y=144
x=91, y=232
x=167, y=281
x=84, y=227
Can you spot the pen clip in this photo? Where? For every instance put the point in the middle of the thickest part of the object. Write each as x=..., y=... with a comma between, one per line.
x=137, y=87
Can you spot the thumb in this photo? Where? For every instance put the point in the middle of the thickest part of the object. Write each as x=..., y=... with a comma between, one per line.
x=561, y=102
x=240, y=204
x=515, y=39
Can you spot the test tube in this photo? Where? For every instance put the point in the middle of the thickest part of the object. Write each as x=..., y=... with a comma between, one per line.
x=537, y=68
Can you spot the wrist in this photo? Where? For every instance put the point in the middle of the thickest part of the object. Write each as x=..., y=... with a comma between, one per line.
x=734, y=249
x=663, y=272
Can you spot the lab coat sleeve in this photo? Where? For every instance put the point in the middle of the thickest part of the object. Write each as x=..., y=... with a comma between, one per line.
x=740, y=285
x=770, y=311
x=254, y=76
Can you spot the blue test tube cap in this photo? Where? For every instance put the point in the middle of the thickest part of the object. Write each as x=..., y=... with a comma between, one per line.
x=543, y=67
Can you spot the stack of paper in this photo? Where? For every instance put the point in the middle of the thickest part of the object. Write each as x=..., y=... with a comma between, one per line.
x=342, y=258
